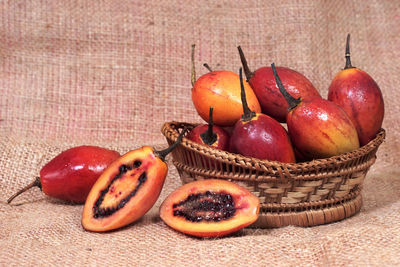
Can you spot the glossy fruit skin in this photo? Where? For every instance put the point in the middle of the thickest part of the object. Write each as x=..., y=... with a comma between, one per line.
x=221, y=143
x=247, y=209
x=262, y=137
x=71, y=174
x=118, y=190
x=319, y=128
x=361, y=98
x=221, y=90
x=271, y=100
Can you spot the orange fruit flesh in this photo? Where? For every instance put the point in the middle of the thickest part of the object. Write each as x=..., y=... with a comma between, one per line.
x=245, y=203
x=129, y=194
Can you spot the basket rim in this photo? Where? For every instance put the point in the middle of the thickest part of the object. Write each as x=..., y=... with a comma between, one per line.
x=171, y=131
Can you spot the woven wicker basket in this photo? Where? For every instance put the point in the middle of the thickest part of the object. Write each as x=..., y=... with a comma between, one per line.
x=303, y=194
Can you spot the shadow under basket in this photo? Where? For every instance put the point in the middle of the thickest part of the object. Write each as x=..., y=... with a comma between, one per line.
x=303, y=194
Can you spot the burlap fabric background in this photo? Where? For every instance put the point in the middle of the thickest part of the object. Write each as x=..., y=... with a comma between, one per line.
x=110, y=73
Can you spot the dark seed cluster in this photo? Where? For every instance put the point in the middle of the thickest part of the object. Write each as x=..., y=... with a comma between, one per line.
x=137, y=164
x=104, y=212
x=208, y=206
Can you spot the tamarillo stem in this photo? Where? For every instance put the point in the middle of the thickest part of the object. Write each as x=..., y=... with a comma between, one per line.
x=347, y=54
x=293, y=102
x=209, y=137
x=34, y=183
x=163, y=153
x=246, y=69
x=193, y=66
x=247, y=113
x=207, y=67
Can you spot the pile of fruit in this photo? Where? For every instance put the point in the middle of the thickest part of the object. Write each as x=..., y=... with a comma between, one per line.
x=243, y=117
x=248, y=120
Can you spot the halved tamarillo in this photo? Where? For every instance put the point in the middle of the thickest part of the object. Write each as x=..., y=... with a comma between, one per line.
x=127, y=189
x=210, y=208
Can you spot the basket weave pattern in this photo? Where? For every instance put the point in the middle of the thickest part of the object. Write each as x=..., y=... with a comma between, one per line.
x=281, y=187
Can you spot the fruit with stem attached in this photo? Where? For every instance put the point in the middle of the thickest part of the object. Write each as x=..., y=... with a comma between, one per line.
x=71, y=174
x=360, y=97
x=318, y=128
x=264, y=86
x=260, y=136
x=210, y=134
x=127, y=189
x=220, y=90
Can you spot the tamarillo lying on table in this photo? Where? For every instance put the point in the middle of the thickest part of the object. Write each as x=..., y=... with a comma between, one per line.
x=210, y=208
x=71, y=174
x=127, y=189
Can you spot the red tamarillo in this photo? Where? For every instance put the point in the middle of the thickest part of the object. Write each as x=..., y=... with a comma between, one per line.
x=360, y=97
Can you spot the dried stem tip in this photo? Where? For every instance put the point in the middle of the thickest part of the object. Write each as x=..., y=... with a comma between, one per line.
x=193, y=78
x=246, y=69
x=35, y=183
x=209, y=137
x=248, y=114
x=347, y=55
x=163, y=153
x=207, y=67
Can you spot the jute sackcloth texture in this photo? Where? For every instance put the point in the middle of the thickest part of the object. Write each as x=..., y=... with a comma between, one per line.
x=110, y=73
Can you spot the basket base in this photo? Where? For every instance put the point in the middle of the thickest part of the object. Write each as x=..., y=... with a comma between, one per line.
x=312, y=217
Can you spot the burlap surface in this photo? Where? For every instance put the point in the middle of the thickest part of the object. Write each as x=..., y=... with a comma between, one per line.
x=110, y=73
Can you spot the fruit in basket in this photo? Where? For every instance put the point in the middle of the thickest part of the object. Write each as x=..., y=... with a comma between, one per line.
x=127, y=189
x=71, y=174
x=260, y=136
x=300, y=157
x=210, y=134
x=360, y=97
x=264, y=86
x=220, y=90
x=317, y=127
x=210, y=208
